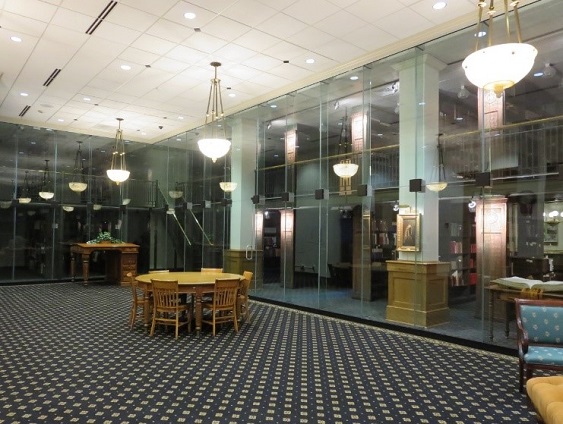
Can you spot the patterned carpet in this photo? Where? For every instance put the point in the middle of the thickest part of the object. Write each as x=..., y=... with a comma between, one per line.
x=67, y=355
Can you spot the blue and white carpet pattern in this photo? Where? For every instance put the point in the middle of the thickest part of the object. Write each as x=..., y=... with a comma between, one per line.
x=67, y=355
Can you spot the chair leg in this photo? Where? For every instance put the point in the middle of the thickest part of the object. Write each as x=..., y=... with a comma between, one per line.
x=521, y=374
x=153, y=323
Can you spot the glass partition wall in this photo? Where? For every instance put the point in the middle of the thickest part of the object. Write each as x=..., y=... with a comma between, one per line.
x=379, y=244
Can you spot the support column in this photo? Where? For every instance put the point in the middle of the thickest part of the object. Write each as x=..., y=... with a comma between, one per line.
x=242, y=254
x=418, y=282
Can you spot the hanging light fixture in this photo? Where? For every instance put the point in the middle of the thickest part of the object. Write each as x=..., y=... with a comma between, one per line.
x=214, y=143
x=500, y=66
x=46, y=192
x=24, y=195
x=228, y=186
x=117, y=171
x=345, y=168
x=439, y=181
x=77, y=184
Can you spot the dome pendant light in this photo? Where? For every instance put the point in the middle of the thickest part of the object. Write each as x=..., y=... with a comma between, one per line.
x=77, y=184
x=214, y=143
x=117, y=171
x=498, y=67
x=46, y=192
x=345, y=168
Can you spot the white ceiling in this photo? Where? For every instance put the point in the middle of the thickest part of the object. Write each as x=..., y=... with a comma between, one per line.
x=170, y=72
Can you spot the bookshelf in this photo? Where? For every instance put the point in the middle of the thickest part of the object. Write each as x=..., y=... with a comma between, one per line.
x=458, y=248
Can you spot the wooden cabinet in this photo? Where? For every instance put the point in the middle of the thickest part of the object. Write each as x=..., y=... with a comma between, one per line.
x=121, y=258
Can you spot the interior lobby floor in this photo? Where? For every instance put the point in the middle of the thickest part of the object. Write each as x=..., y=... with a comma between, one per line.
x=463, y=323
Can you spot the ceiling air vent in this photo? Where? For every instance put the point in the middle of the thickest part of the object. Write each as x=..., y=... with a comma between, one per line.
x=53, y=75
x=101, y=17
x=24, y=110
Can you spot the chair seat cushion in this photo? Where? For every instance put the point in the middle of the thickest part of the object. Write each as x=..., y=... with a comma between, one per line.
x=542, y=355
x=546, y=393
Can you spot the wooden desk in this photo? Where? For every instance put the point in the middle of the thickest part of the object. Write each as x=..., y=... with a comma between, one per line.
x=508, y=294
x=122, y=259
x=195, y=283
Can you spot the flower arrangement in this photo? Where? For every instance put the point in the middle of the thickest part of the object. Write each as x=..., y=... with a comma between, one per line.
x=104, y=237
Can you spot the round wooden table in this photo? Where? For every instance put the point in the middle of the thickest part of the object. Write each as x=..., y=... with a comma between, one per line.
x=193, y=282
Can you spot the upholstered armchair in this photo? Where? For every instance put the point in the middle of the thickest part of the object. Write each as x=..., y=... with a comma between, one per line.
x=540, y=336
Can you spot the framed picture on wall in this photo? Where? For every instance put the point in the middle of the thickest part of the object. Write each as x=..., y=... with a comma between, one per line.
x=408, y=233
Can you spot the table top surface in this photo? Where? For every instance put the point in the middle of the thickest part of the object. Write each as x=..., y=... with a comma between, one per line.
x=187, y=277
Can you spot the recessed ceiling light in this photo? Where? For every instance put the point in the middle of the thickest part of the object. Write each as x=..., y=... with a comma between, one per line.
x=354, y=77
x=16, y=39
x=126, y=67
x=178, y=139
x=310, y=60
x=180, y=117
x=232, y=95
x=24, y=94
x=60, y=120
x=86, y=99
x=481, y=34
x=439, y=5
x=189, y=15
x=143, y=133
x=273, y=106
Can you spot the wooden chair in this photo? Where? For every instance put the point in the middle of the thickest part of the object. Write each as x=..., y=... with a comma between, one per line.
x=168, y=308
x=140, y=301
x=212, y=270
x=223, y=306
x=243, y=307
x=540, y=336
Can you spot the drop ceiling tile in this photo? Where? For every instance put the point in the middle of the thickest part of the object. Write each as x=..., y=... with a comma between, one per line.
x=262, y=62
x=225, y=28
x=176, y=14
x=130, y=17
x=251, y=12
x=72, y=20
x=340, y=24
x=279, y=4
x=24, y=27
x=311, y=11
x=33, y=9
x=134, y=55
x=310, y=38
x=117, y=33
x=459, y=8
x=404, y=24
x=157, y=8
x=145, y=81
x=375, y=10
x=216, y=6
x=168, y=30
x=340, y=50
x=281, y=26
x=364, y=37
x=153, y=44
x=186, y=55
x=204, y=42
x=256, y=40
x=284, y=51
x=91, y=8
x=233, y=52
x=169, y=65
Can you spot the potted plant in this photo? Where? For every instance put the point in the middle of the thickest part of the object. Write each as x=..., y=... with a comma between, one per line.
x=104, y=238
